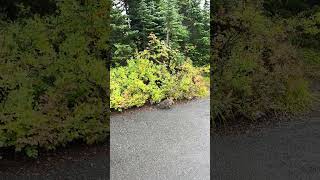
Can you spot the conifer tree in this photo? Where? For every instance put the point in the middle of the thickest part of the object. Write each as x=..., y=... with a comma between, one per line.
x=197, y=21
x=146, y=17
x=122, y=36
x=176, y=32
x=181, y=24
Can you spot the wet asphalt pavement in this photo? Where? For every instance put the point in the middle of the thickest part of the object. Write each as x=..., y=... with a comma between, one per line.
x=289, y=151
x=74, y=163
x=159, y=144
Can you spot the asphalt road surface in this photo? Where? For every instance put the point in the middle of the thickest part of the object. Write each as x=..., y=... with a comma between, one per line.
x=74, y=163
x=154, y=144
x=289, y=151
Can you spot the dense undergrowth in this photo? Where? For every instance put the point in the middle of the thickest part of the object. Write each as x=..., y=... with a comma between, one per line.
x=154, y=74
x=53, y=78
x=261, y=64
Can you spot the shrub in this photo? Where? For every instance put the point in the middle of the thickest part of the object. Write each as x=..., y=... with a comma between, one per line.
x=153, y=75
x=297, y=95
x=311, y=58
x=53, y=79
x=256, y=69
x=143, y=81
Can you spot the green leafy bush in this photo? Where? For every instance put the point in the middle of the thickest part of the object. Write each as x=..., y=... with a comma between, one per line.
x=53, y=78
x=311, y=59
x=153, y=75
x=256, y=68
x=142, y=80
x=297, y=95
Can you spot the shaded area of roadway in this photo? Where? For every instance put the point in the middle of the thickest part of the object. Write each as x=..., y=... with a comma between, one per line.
x=288, y=151
x=79, y=162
